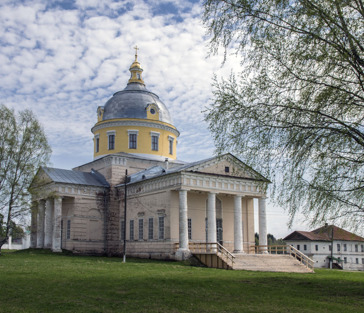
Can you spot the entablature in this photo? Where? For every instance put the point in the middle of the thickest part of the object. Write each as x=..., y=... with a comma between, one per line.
x=199, y=182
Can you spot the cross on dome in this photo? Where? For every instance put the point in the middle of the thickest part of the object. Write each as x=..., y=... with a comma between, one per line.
x=136, y=53
x=136, y=70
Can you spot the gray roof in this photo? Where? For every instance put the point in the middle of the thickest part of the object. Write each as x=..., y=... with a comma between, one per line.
x=132, y=103
x=156, y=171
x=76, y=177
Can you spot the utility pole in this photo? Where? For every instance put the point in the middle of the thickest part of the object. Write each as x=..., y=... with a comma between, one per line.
x=125, y=202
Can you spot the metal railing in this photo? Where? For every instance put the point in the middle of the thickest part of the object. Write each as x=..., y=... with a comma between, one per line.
x=211, y=248
x=284, y=249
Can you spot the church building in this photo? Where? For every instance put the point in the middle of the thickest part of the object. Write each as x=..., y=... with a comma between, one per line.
x=137, y=192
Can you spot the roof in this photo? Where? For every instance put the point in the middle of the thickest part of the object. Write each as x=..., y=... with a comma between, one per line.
x=325, y=233
x=132, y=102
x=156, y=171
x=93, y=178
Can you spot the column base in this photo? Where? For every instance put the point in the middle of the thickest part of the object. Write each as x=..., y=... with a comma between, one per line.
x=239, y=252
x=183, y=254
x=57, y=250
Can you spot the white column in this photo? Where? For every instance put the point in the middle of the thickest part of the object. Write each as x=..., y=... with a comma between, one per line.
x=40, y=224
x=57, y=217
x=211, y=217
x=33, y=229
x=48, y=224
x=262, y=223
x=183, y=251
x=238, y=225
x=183, y=222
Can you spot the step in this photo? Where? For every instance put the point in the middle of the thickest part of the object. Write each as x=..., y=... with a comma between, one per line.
x=269, y=263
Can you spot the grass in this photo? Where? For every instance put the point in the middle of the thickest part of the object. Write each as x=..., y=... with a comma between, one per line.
x=39, y=281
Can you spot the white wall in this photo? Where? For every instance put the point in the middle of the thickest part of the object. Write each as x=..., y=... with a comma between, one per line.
x=12, y=246
x=354, y=253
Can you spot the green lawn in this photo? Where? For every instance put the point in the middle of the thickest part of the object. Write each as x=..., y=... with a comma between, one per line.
x=39, y=281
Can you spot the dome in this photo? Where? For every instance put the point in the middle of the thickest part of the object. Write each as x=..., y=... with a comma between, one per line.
x=135, y=121
x=132, y=102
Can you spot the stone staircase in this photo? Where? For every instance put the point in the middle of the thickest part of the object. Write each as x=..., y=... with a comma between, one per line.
x=269, y=263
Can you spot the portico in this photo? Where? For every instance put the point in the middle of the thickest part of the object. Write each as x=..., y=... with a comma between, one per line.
x=46, y=228
x=205, y=206
x=53, y=209
x=241, y=221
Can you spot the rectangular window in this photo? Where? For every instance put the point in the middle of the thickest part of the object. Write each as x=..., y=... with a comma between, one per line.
x=161, y=227
x=330, y=247
x=356, y=260
x=189, y=229
x=141, y=229
x=68, y=229
x=316, y=247
x=338, y=247
x=362, y=261
x=345, y=248
x=170, y=146
x=111, y=141
x=150, y=229
x=97, y=144
x=356, y=248
x=155, y=143
x=305, y=247
x=345, y=260
x=132, y=141
x=362, y=248
x=298, y=247
x=131, y=229
x=122, y=230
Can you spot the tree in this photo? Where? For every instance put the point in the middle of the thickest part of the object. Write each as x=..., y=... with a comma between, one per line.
x=23, y=149
x=296, y=111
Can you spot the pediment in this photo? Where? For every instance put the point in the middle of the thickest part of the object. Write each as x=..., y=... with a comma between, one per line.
x=227, y=165
x=40, y=179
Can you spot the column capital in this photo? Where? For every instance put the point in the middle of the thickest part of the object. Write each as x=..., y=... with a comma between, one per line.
x=239, y=195
x=183, y=189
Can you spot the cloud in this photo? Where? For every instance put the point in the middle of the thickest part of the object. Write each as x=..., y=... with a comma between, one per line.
x=63, y=59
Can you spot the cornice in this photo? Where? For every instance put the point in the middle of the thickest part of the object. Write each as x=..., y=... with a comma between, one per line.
x=141, y=123
x=66, y=190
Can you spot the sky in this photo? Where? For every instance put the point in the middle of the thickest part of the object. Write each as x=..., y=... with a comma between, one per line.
x=63, y=59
